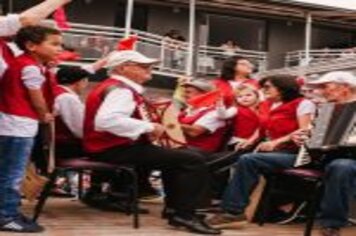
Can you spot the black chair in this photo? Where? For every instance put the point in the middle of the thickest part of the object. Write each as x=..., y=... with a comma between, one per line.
x=304, y=184
x=85, y=164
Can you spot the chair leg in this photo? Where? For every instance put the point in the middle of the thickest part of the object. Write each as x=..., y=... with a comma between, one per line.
x=265, y=201
x=134, y=196
x=80, y=184
x=313, y=209
x=44, y=195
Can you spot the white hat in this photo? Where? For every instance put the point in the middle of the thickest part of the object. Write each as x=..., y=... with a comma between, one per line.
x=340, y=77
x=118, y=57
x=200, y=84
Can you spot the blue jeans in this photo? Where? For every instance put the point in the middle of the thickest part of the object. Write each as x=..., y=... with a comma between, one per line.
x=14, y=154
x=340, y=185
x=246, y=175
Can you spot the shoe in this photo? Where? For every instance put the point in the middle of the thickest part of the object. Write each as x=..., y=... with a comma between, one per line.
x=20, y=225
x=169, y=212
x=330, y=231
x=227, y=221
x=292, y=215
x=193, y=225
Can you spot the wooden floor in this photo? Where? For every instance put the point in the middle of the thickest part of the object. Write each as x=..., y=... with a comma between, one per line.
x=67, y=217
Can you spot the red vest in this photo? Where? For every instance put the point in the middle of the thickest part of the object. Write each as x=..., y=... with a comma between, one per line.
x=63, y=133
x=97, y=141
x=5, y=52
x=207, y=142
x=14, y=97
x=227, y=90
x=280, y=121
x=246, y=122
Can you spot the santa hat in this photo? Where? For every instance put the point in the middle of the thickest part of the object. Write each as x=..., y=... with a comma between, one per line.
x=127, y=43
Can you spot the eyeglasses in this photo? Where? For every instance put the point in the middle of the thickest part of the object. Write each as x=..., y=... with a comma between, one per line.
x=267, y=86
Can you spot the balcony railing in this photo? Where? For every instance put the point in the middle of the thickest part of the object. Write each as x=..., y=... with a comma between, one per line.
x=95, y=41
x=299, y=58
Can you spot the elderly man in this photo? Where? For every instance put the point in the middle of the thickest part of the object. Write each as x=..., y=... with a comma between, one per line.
x=116, y=131
x=340, y=171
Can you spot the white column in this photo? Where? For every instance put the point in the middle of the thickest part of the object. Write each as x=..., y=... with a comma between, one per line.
x=190, y=60
x=129, y=15
x=308, y=37
x=11, y=6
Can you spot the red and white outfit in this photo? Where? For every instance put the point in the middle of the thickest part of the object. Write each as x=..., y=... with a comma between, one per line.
x=281, y=119
x=9, y=25
x=114, y=120
x=18, y=118
x=207, y=118
x=227, y=88
x=69, y=111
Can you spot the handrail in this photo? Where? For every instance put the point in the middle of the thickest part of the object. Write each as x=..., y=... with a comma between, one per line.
x=298, y=57
x=173, y=53
x=346, y=63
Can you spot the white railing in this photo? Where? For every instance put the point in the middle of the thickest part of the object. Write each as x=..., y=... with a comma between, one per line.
x=340, y=63
x=95, y=41
x=211, y=58
x=299, y=58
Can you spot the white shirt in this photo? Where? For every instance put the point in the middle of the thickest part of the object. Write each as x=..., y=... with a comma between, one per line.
x=9, y=25
x=71, y=110
x=15, y=50
x=19, y=126
x=114, y=114
x=209, y=120
x=304, y=108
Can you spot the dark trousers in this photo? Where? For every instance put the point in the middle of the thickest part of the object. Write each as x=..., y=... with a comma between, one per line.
x=184, y=172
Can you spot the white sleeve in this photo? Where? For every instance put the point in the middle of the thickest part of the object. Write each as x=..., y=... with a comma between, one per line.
x=71, y=110
x=3, y=66
x=306, y=107
x=114, y=116
x=9, y=25
x=32, y=77
x=223, y=113
x=210, y=121
x=89, y=68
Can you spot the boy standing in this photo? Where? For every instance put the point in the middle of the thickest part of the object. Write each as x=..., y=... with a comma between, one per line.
x=22, y=106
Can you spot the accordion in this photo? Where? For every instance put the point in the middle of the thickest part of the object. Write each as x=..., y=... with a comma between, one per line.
x=334, y=127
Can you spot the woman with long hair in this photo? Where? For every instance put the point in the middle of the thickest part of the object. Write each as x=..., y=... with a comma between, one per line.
x=283, y=113
x=235, y=71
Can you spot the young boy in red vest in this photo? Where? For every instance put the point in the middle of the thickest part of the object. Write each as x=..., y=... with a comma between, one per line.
x=69, y=111
x=12, y=23
x=69, y=115
x=22, y=106
x=202, y=127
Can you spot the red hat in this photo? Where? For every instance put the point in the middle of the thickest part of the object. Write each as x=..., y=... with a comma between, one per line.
x=127, y=43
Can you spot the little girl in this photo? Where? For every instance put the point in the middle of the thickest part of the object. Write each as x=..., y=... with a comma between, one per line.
x=244, y=116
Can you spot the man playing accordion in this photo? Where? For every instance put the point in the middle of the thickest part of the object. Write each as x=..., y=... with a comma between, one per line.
x=340, y=169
